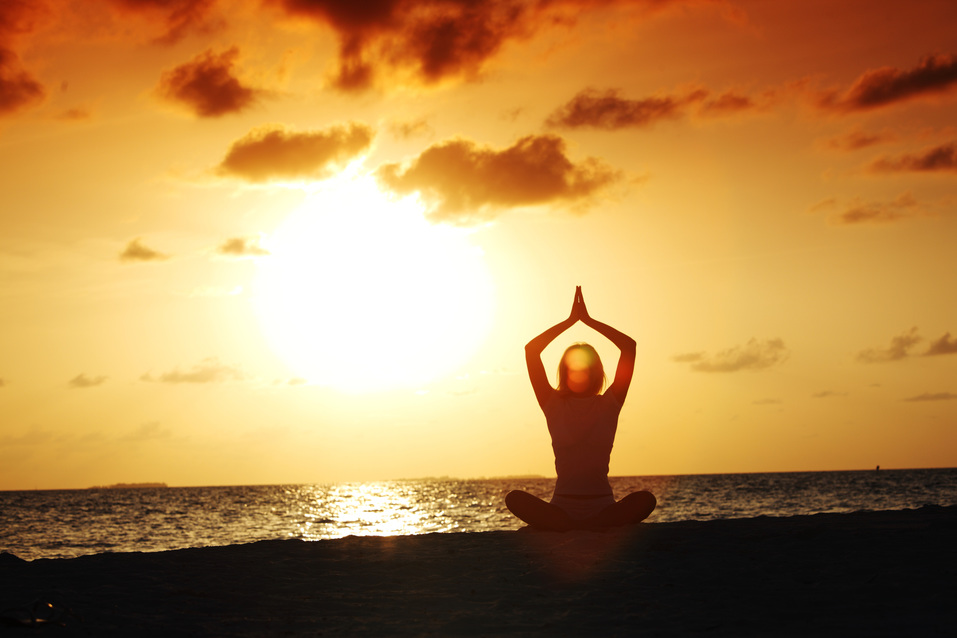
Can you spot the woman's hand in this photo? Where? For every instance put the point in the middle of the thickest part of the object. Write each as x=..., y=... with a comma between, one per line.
x=580, y=305
x=575, y=314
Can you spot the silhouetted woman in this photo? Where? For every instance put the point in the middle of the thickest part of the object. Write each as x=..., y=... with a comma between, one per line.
x=582, y=422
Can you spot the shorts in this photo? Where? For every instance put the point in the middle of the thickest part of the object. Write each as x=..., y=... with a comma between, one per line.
x=580, y=509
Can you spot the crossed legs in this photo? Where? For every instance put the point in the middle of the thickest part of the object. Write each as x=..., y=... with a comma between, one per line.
x=634, y=508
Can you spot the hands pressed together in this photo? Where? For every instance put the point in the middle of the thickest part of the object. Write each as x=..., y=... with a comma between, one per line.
x=579, y=311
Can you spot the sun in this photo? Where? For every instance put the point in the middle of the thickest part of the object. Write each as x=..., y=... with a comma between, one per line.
x=360, y=292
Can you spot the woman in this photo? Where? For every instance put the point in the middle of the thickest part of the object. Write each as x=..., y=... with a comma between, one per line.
x=582, y=422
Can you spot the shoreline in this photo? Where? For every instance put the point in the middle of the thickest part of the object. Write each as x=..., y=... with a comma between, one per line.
x=883, y=573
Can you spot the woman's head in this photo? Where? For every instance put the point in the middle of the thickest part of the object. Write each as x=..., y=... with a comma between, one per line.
x=580, y=371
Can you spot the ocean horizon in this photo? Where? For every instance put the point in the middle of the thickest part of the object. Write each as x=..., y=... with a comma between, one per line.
x=136, y=517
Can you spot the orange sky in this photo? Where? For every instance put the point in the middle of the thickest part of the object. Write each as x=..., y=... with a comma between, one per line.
x=301, y=241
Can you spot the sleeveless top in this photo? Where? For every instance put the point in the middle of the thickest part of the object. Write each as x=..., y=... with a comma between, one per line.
x=583, y=432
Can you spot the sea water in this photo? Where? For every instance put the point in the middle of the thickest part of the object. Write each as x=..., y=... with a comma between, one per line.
x=67, y=523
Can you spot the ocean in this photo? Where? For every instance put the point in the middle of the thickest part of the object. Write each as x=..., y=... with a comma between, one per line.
x=69, y=523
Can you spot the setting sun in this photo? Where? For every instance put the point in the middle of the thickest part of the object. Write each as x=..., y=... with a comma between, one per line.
x=360, y=292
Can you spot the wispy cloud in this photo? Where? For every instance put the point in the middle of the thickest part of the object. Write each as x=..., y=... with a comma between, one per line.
x=176, y=18
x=903, y=344
x=933, y=396
x=272, y=153
x=899, y=348
x=942, y=158
x=147, y=432
x=933, y=75
x=207, y=371
x=136, y=250
x=828, y=394
x=208, y=86
x=82, y=381
x=858, y=212
x=465, y=183
x=856, y=140
x=609, y=110
x=240, y=247
x=18, y=88
x=754, y=355
x=944, y=345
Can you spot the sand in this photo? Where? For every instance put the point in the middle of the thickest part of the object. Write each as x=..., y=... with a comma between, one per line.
x=861, y=574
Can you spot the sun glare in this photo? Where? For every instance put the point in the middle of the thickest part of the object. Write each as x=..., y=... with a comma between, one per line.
x=360, y=292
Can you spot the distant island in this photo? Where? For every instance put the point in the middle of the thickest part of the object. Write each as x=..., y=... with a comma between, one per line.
x=124, y=486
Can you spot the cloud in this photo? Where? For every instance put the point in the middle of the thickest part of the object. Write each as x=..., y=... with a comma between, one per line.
x=933, y=75
x=242, y=247
x=404, y=130
x=81, y=381
x=856, y=140
x=768, y=402
x=178, y=17
x=431, y=41
x=938, y=158
x=18, y=89
x=3, y=382
x=273, y=153
x=899, y=348
x=754, y=355
x=899, y=209
x=827, y=394
x=207, y=371
x=944, y=345
x=608, y=110
x=464, y=183
x=207, y=85
x=933, y=396
x=137, y=251
x=147, y=432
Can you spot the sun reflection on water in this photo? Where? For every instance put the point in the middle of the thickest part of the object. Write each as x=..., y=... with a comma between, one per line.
x=380, y=509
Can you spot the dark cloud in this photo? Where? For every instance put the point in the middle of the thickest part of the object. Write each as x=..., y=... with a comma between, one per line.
x=207, y=371
x=945, y=345
x=464, y=183
x=3, y=382
x=136, y=250
x=610, y=111
x=207, y=85
x=81, y=381
x=431, y=40
x=939, y=158
x=272, y=153
x=18, y=89
x=933, y=396
x=933, y=75
x=242, y=247
x=768, y=402
x=178, y=17
x=754, y=355
x=899, y=348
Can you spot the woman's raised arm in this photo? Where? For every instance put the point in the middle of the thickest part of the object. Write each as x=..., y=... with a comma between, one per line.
x=627, y=346
x=534, y=348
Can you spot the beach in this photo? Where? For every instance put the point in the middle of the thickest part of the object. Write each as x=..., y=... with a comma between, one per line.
x=889, y=573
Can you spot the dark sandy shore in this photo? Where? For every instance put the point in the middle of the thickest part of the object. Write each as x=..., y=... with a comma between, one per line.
x=863, y=574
